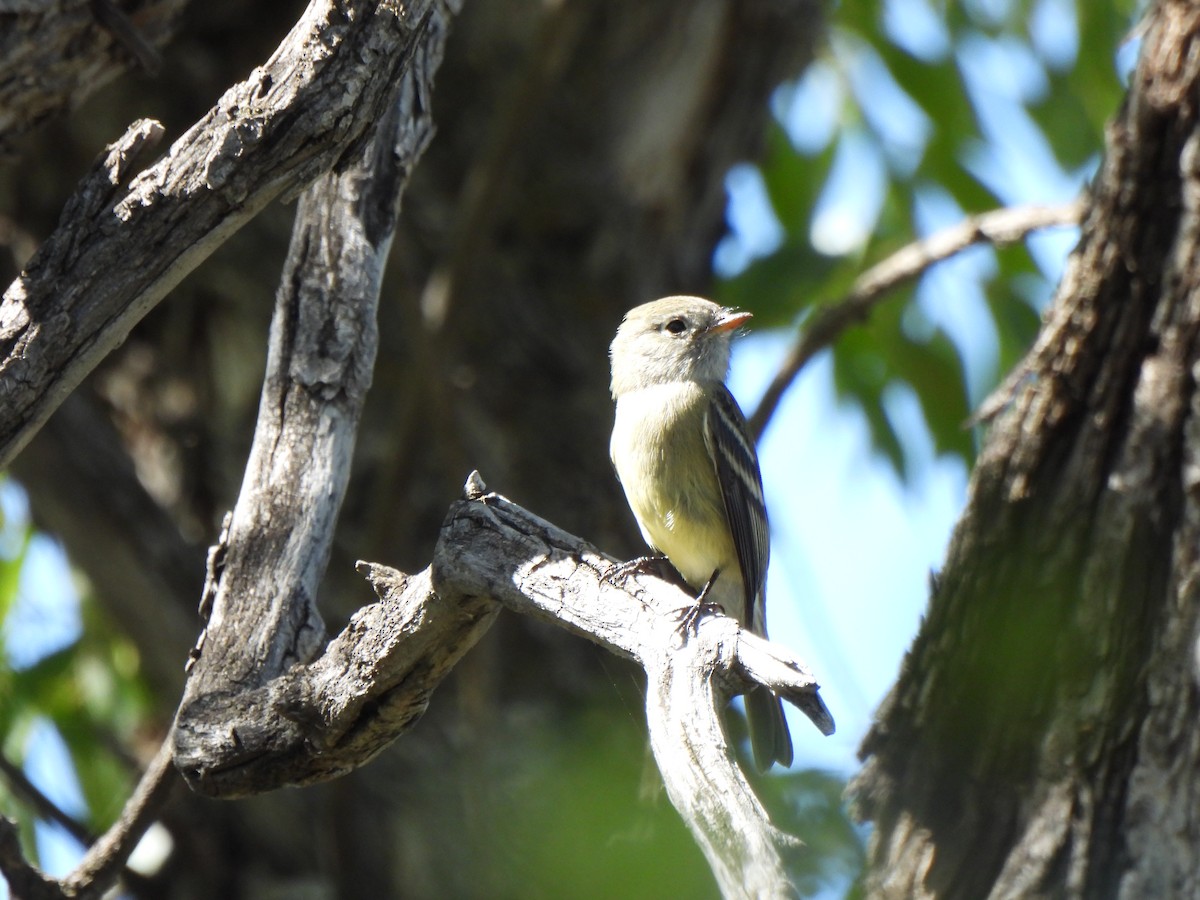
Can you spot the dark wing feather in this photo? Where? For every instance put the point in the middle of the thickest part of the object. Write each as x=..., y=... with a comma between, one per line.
x=732, y=449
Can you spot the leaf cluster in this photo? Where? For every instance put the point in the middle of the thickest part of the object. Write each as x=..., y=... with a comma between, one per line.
x=916, y=114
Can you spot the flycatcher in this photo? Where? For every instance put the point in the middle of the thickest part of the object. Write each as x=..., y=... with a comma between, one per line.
x=686, y=460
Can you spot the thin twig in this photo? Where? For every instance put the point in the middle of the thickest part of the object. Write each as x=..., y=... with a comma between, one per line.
x=106, y=858
x=999, y=227
x=127, y=34
x=43, y=805
x=24, y=879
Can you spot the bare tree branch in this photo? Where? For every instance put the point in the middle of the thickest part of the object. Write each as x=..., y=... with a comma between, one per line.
x=53, y=55
x=24, y=880
x=323, y=718
x=105, y=859
x=322, y=351
x=491, y=547
x=495, y=548
x=45, y=807
x=128, y=35
x=119, y=250
x=327, y=717
x=1000, y=227
x=261, y=595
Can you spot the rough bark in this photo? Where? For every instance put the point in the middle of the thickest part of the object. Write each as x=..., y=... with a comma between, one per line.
x=327, y=717
x=490, y=548
x=578, y=170
x=269, y=136
x=1041, y=741
x=260, y=600
x=54, y=54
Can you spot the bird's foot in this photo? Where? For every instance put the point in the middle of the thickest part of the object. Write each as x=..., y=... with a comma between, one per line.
x=689, y=616
x=643, y=565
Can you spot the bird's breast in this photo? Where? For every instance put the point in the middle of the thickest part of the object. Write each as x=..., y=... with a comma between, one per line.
x=659, y=452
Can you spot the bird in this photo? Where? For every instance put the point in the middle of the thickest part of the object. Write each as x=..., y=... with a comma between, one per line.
x=686, y=460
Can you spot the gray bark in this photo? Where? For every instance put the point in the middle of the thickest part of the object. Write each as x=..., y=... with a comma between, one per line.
x=260, y=598
x=324, y=718
x=125, y=240
x=579, y=170
x=54, y=54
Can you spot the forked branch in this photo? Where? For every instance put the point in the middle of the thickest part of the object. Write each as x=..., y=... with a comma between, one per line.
x=374, y=680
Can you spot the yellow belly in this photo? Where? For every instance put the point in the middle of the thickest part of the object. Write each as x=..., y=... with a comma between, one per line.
x=659, y=452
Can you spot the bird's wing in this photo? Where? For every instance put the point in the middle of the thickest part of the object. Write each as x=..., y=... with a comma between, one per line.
x=732, y=449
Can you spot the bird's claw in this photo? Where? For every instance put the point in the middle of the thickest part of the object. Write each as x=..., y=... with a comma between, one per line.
x=688, y=617
x=642, y=565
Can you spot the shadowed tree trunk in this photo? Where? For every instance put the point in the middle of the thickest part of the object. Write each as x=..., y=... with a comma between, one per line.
x=1041, y=741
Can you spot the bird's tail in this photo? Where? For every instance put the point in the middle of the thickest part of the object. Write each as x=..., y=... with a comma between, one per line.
x=769, y=736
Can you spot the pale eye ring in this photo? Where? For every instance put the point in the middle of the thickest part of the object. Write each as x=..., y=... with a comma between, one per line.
x=677, y=326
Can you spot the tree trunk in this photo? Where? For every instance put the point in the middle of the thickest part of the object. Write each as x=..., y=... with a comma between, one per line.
x=1041, y=741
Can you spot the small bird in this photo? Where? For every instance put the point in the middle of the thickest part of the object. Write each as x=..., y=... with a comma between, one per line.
x=686, y=459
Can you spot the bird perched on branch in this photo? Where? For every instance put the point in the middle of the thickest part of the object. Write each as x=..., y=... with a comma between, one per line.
x=687, y=463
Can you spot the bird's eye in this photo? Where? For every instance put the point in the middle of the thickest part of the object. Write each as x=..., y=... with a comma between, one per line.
x=676, y=326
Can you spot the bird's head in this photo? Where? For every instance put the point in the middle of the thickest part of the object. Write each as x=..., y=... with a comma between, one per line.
x=673, y=339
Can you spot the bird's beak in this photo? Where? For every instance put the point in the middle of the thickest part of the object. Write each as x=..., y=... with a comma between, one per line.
x=729, y=319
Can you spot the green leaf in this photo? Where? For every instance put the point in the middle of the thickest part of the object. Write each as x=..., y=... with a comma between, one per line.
x=10, y=572
x=793, y=181
x=867, y=360
x=934, y=370
x=860, y=374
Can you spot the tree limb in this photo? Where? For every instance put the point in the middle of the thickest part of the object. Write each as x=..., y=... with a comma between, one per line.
x=482, y=538
x=127, y=34
x=123, y=244
x=106, y=858
x=260, y=597
x=491, y=547
x=263, y=577
x=999, y=227
x=24, y=879
x=53, y=55
x=323, y=718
